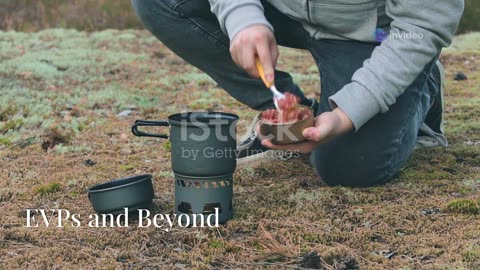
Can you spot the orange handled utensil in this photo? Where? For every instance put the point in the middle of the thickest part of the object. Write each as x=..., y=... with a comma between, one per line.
x=270, y=85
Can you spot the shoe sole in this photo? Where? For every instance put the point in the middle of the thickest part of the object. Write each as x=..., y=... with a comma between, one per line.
x=254, y=161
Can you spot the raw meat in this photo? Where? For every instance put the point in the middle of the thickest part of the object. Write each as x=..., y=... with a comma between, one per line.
x=289, y=111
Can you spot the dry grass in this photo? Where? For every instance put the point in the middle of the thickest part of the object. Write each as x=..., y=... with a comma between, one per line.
x=67, y=87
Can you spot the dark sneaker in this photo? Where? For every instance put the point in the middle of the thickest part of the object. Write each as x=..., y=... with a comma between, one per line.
x=250, y=147
x=432, y=131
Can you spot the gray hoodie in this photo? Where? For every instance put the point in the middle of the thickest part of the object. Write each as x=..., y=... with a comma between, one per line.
x=412, y=33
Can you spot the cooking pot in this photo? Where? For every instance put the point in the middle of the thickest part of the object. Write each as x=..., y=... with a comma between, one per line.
x=134, y=192
x=202, y=143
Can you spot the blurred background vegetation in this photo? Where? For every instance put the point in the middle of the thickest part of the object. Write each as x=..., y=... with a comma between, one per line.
x=91, y=15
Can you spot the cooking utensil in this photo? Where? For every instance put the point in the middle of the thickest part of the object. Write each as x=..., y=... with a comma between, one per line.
x=269, y=84
x=202, y=143
x=134, y=192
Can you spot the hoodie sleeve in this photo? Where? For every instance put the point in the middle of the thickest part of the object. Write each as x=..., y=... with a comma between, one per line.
x=397, y=62
x=239, y=14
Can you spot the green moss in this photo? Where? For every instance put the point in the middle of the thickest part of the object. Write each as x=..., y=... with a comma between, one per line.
x=464, y=206
x=192, y=77
x=216, y=243
x=127, y=167
x=11, y=125
x=325, y=239
x=166, y=174
x=5, y=141
x=300, y=77
x=312, y=238
x=48, y=189
x=7, y=112
x=471, y=255
x=6, y=196
x=313, y=69
x=256, y=244
x=22, y=237
x=230, y=248
x=62, y=149
x=203, y=104
x=167, y=146
x=77, y=125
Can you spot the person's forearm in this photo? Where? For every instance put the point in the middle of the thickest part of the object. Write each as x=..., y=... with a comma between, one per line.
x=234, y=16
x=397, y=62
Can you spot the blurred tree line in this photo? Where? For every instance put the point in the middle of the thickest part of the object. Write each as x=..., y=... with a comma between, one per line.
x=91, y=15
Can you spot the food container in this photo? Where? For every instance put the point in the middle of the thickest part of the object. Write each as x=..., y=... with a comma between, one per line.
x=285, y=133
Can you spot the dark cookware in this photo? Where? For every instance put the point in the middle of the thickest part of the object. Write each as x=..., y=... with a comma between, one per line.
x=134, y=192
x=202, y=143
x=201, y=195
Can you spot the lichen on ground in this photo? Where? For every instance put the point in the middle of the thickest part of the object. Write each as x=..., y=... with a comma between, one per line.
x=68, y=99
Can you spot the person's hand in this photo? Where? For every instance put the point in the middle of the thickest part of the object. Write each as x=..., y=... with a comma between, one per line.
x=256, y=40
x=328, y=125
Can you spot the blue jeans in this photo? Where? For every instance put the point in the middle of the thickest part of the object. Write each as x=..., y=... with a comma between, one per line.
x=372, y=155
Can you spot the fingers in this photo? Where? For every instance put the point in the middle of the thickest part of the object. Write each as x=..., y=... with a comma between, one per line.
x=257, y=40
x=234, y=52
x=304, y=147
x=248, y=63
x=244, y=56
x=275, y=54
x=312, y=134
x=269, y=144
x=265, y=55
x=325, y=129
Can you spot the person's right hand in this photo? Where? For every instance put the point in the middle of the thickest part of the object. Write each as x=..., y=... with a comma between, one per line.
x=256, y=40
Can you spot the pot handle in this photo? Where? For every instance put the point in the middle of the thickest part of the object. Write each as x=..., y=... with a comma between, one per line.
x=145, y=123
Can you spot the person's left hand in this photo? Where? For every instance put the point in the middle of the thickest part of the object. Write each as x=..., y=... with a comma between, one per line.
x=328, y=125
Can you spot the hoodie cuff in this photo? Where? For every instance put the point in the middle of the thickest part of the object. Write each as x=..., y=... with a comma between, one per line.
x=357, y=102
x=243, y=17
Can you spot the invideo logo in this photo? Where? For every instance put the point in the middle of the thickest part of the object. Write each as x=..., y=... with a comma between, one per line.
x=381, y=35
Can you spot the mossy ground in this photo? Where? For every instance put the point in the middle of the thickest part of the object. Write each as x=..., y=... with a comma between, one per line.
x=61, y=92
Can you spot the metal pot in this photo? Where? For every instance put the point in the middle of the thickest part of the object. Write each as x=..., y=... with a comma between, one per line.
x=202, y=143
x=134, y=192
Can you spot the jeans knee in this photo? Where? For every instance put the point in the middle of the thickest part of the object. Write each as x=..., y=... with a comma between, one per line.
x=335, y=170
x=352, y=178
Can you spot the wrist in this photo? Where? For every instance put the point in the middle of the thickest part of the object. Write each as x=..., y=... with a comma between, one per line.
x=346, y=124
x=244, y=17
